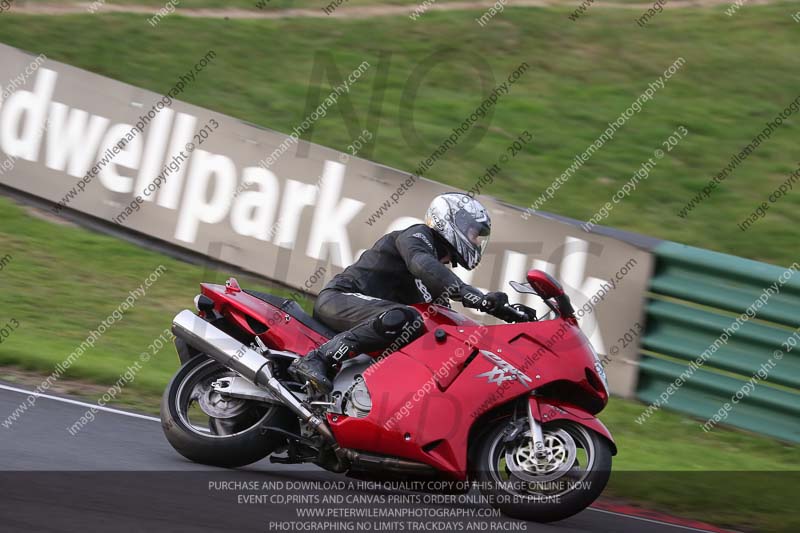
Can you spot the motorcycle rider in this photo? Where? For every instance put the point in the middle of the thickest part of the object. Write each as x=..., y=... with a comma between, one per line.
x=369, y=301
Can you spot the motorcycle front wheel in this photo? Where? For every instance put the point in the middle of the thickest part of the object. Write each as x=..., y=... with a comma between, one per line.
x=567, y=479
x=209, y=428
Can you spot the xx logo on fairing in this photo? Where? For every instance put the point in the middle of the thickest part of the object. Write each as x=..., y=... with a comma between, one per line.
x=503, y=371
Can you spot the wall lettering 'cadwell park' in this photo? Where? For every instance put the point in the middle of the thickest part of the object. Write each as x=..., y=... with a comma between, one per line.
x=203, y=192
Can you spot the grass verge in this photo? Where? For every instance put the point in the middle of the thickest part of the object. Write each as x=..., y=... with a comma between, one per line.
x=582, y=75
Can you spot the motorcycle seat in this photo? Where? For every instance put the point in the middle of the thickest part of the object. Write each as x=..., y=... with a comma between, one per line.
x=291, y=308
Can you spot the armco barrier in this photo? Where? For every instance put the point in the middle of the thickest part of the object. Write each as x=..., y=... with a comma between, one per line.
x=695, y=296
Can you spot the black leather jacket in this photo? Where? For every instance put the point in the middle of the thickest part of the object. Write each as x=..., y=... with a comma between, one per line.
x=403, y=266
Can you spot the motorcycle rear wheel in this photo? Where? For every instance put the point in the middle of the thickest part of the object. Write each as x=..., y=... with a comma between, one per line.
x=235, y=437
x=568, y=480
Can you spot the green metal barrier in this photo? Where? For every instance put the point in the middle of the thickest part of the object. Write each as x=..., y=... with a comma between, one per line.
x=695, y=295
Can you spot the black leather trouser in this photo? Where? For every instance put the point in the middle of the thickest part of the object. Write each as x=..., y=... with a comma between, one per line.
x=366, y=324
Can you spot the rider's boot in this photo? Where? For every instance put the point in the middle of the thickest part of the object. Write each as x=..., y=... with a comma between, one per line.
x=316, y=366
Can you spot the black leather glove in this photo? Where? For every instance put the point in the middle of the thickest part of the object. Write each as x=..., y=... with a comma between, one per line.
x=494, y=302
x=471, y=297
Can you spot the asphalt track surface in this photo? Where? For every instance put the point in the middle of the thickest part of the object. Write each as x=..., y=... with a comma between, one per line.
x=120, y=474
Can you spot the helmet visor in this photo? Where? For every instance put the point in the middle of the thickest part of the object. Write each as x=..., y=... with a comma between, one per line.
x=480, y=241
x=473, y=236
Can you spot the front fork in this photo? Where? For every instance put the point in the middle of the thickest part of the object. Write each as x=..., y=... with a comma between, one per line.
x=537, y=437
x=541, y=410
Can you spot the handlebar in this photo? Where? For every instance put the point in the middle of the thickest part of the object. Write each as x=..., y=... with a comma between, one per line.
x=516, y=312
x=509, y=313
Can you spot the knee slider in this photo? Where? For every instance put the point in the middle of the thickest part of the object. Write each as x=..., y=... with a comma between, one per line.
x=390, y=324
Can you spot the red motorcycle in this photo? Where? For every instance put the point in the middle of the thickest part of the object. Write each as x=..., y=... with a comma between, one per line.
x=508, y=408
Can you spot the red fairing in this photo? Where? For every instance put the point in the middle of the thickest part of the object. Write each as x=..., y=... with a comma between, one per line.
x=447, y=385
x=282, y=331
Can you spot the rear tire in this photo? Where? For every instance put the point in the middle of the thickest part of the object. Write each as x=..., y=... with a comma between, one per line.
x=225, y=442
x=504, y=488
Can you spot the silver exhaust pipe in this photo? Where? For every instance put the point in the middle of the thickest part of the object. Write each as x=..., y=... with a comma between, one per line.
x=244, y=361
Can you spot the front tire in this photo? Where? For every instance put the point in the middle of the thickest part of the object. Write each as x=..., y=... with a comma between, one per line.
x=568, y=480
x=235, y=436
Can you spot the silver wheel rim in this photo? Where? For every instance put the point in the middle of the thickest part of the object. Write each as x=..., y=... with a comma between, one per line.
x=196, y=388
x=570, y=458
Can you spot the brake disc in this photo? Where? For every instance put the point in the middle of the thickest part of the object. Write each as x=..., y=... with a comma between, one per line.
x=560, y=455
x=215, y=404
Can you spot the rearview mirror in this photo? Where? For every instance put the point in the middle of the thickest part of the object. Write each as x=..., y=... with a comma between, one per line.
x=544, y=284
